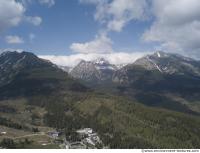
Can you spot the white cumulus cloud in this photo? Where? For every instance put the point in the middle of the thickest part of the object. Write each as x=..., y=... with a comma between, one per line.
x=49, y=3
x=11, y=13
x=115, y=14
x=35, y=20
x=14, y=39
x=101, y=44
x=176, y=26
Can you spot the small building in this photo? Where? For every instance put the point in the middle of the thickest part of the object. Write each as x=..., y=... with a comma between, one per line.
x=54, y=134
x=86, y=131
x=44, y=144
x=89, y=137
x=2, y=132
x=96, y=139
x=92, y=134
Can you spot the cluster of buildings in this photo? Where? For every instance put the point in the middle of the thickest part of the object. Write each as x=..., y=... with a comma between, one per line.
x=89, y=139
x=54, y=134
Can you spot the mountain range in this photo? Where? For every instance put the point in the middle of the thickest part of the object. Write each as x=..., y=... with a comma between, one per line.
x=161, y=79
x=96, y=71
x=165, y=63
x=153, y=102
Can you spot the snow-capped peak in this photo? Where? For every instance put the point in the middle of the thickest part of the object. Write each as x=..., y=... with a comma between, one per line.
x=158, y=54
x=161, y=54
x=100, y=61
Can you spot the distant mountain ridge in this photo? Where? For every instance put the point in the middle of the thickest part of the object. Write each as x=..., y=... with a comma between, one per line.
x=101, y=70
x=25, y=73
x=11, y=63
x=153, y=75
x=159, y=79
x=158, y=68
x=170, y=63
x=97, y=70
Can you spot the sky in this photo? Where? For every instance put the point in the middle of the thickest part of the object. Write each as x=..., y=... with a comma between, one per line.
x=65, y=31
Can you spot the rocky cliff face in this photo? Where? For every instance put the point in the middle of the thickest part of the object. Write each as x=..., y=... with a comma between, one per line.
x=159, y=64
x=94, y=71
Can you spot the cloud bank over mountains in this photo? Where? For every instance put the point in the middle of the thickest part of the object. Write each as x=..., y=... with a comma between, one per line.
x=113, y=58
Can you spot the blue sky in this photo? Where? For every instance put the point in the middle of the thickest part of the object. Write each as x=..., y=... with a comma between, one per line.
x=62, y=24
x=73, y=27
x=66, y=22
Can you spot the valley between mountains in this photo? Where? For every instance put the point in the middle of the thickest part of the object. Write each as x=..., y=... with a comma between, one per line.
x=153, y=102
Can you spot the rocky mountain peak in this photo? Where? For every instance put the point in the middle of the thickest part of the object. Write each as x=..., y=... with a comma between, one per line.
x=97, y=70
x=159, y=54
x=12, y=63
x=21, y=59
x=169, y=63
x=101, y=61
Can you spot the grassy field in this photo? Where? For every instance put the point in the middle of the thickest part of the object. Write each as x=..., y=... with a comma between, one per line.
x=30, y=117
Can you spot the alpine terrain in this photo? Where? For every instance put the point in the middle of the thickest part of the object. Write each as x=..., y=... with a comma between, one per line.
x=151, y=103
